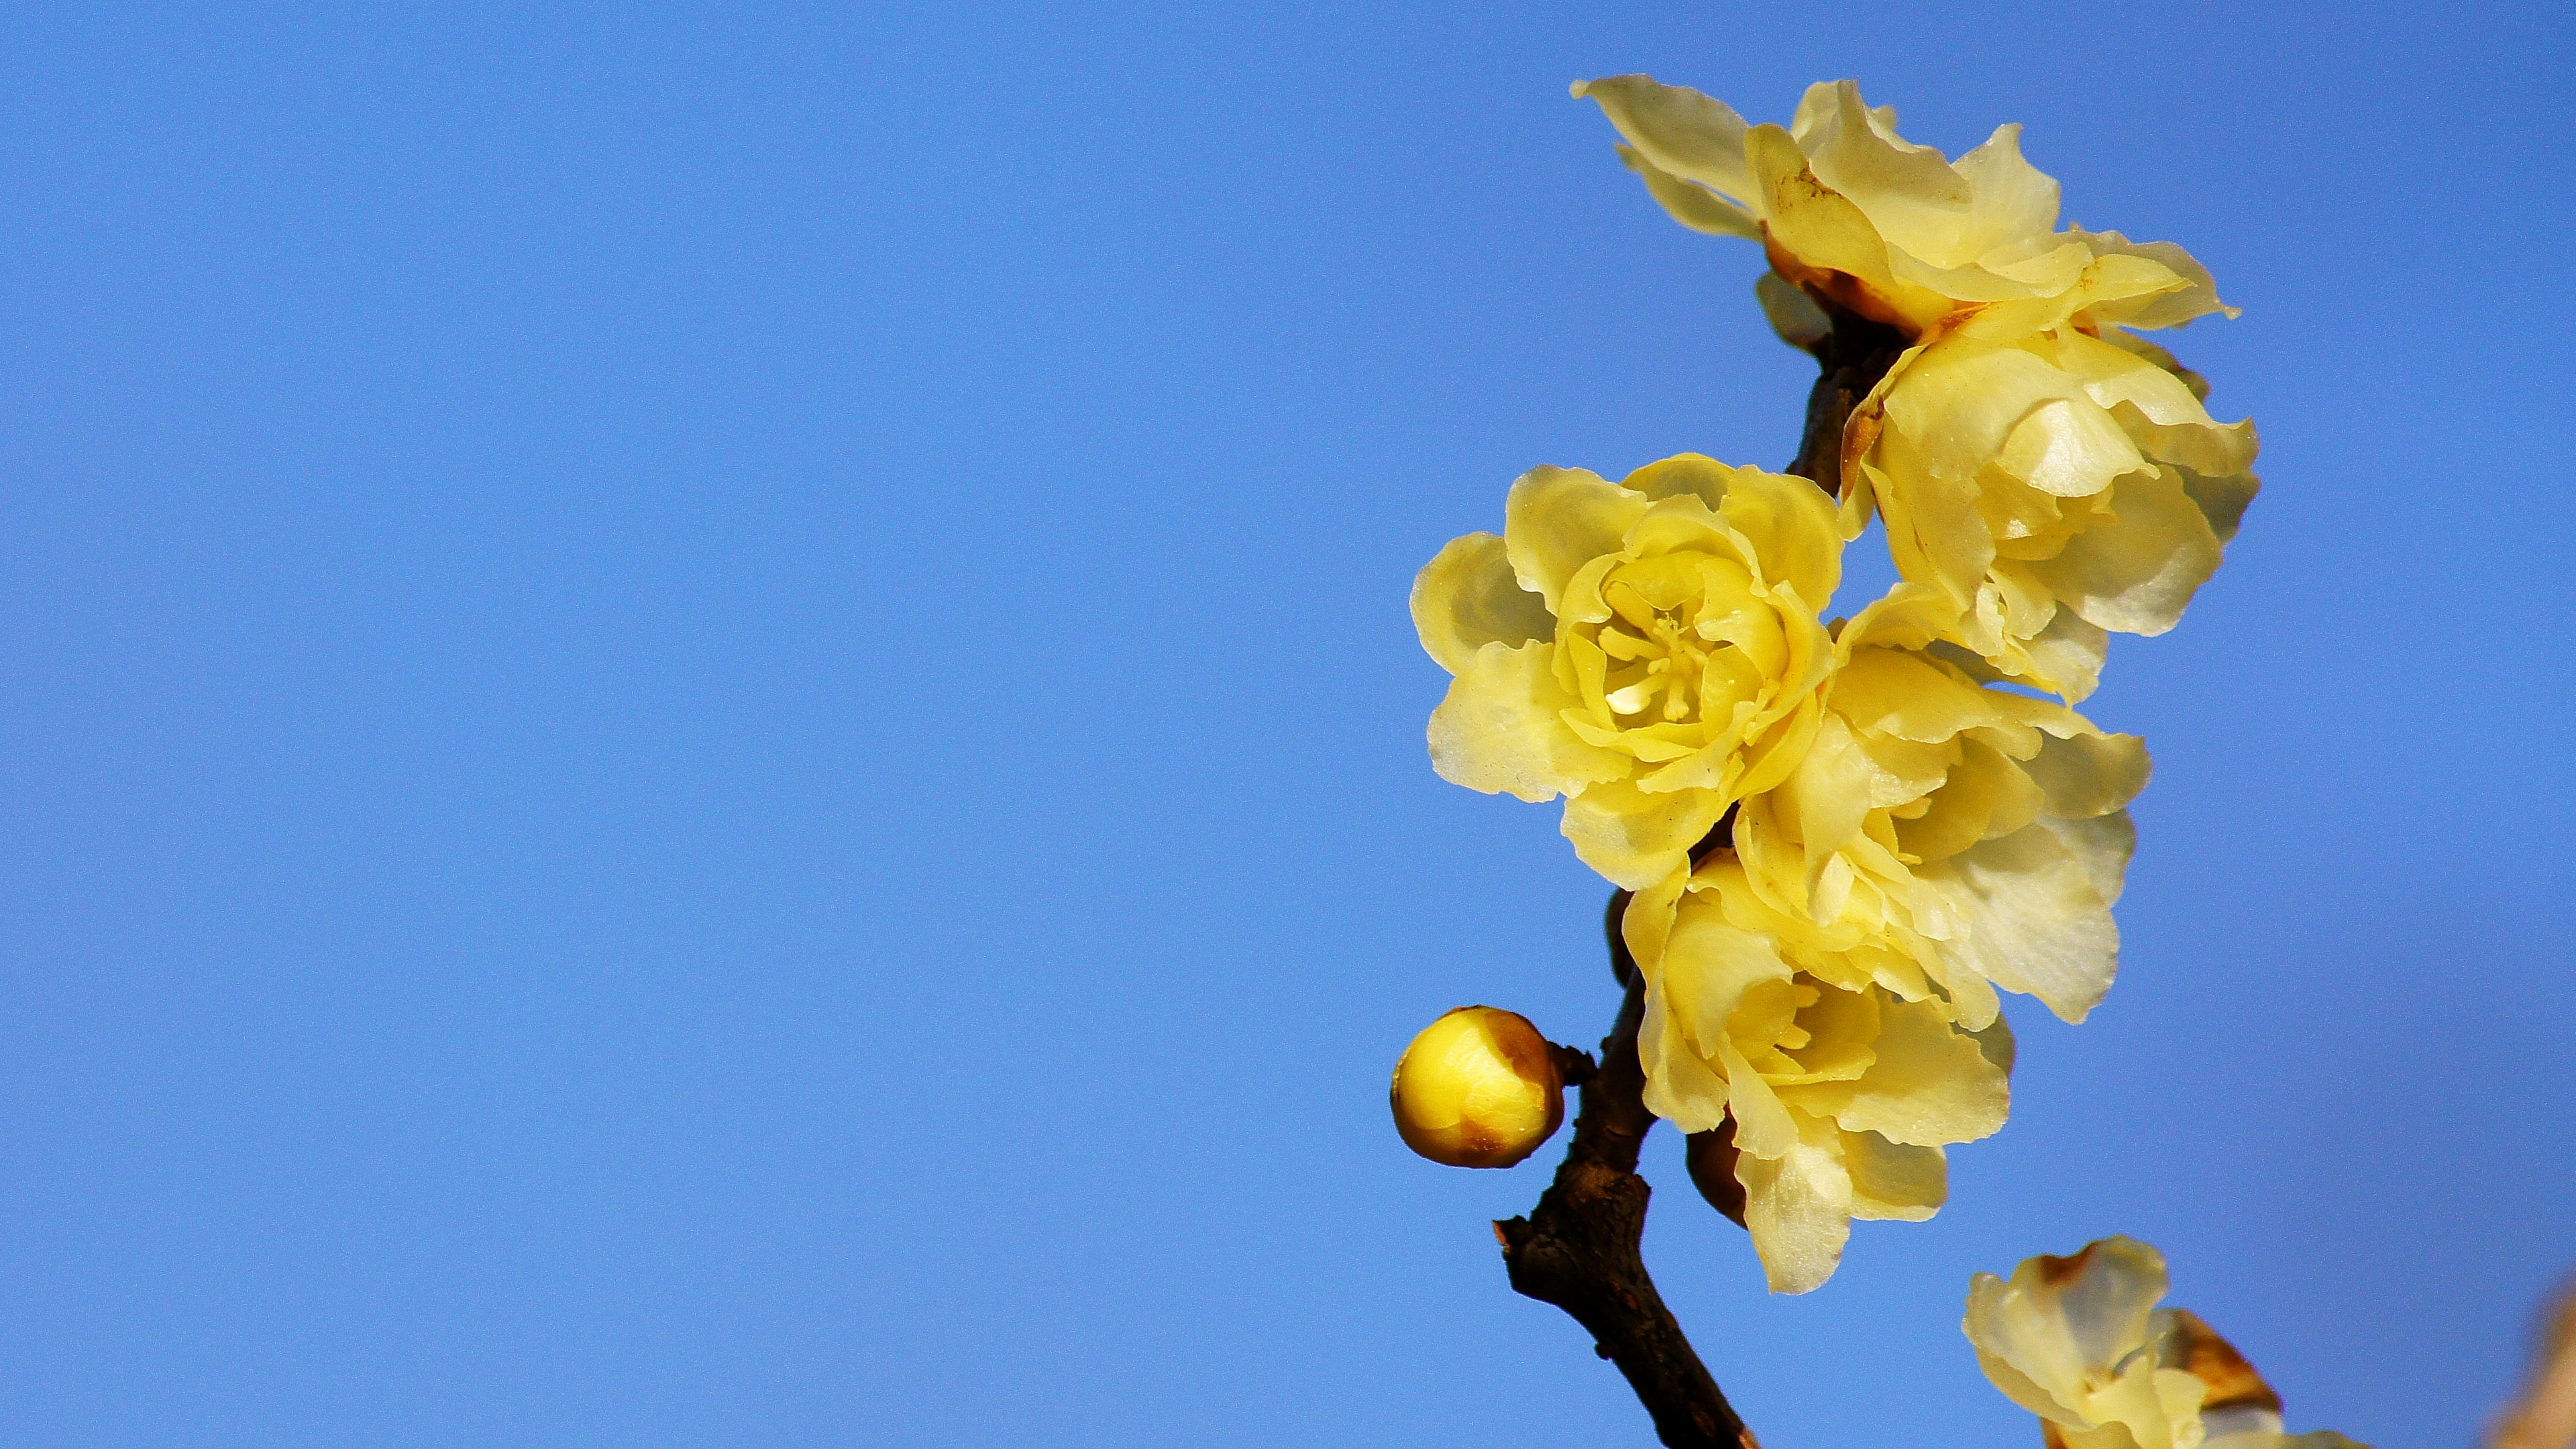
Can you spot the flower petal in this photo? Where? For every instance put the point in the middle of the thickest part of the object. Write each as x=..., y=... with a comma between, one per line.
x=1467, y=598
x=1929, y=1087
x=1633, y=837
x=1907, y=1184
x=2086, y=775
x=1683, y=132
x=2137, y=572
x=1790, y=523
x=1695, y=207
x=2036, y=920
x=1798, y=1208
x=1791, y=312
x=1501, y=728
x=2061, y=1325
x=1556, y=520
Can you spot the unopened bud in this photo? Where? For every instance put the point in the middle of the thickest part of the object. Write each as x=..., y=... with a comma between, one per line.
x=1478, y=1088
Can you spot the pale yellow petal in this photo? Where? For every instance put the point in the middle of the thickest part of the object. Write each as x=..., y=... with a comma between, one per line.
x=1908, y=616
x=2137, y=572
x=1681, y=131
x=1910, y=193
x=1632, y=837
x=1889, y=1182
x=2069, y=448
x=1501, y=728
x=2035, y=920
x=1820, y=227
x=1647, y=923
x=2087, y=775
x=2102, y=844
x=1910, y=696
x=1992, y=1325
x=1682, y=1086
x=2060, y=1325
x=2010, y=199
x=1556, y=520
x=2170, y=309
x=1798, y=1208
x=2222, y=500
x=1467, y=598
x=2066, y=657
x=1929, y=1086
x=1695, y=207
x=1790, y=523
x=1707, y=967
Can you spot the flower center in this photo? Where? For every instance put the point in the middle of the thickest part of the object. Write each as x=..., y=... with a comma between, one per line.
x=1675, y=641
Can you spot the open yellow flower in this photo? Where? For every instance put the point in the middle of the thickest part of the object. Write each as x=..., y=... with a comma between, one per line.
x=1647, y=649
x=2080, y=1342
x=2057, y=487
x=1841, y=1099
x=1937, y=839
x=1852, y=212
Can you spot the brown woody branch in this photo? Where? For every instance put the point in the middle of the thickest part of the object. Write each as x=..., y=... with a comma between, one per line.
x=1852, y=357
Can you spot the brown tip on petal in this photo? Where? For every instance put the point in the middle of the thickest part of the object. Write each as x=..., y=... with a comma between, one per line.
x=2054, y=1270
x=1838, y=289
x=2196, y=1348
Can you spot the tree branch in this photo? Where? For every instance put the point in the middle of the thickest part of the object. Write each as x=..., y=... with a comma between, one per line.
x=1853, y=357
x=1580, y=1247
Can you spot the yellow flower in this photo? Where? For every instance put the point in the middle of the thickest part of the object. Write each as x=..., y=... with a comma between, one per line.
x=1477, y=1088
x=1648, y=649
x=2057, y=488
x=1936, y=839
x=1841, y=1099
x=1852, y=212
x=2080, y=1342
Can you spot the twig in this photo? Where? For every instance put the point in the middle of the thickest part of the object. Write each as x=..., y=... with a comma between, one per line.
x=1852, y=358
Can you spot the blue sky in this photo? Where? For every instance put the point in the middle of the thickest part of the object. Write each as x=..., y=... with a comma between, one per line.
x=710, y=736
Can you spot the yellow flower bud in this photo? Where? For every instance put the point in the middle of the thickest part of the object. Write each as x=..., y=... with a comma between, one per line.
x=1478, y=1088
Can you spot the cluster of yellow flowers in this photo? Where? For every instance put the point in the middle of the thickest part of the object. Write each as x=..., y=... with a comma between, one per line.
x=2080, y=1342
x=1842, y=837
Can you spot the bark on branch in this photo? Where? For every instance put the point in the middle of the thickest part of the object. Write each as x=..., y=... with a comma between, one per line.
x=1852, y=358
x=1580, y=1247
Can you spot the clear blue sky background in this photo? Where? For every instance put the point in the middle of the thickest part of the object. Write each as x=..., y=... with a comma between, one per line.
x=708, y=737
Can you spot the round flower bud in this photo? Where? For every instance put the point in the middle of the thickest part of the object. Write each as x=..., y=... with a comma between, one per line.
x=1478, y=1088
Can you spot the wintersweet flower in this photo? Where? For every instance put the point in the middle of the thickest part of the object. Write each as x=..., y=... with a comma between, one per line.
x=1649, y=650
x=1852, y=213
x=2080, y=1342
x=1839, y=1099
x=1937, y=839
x=2057, y=487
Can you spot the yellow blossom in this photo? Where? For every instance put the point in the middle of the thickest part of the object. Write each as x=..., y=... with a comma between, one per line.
x=1840, y=1098
x=1477, y=1088
x=2057, y=487
x=2080, y=1342
x=1649, y=650
x=1853, y=213
x=1937, y=839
